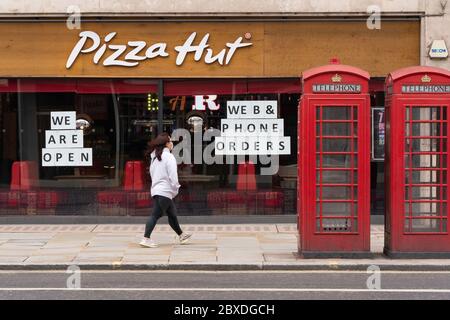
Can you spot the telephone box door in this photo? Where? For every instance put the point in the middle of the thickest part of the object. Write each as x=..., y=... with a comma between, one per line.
x=417, y=108
x=334, y=174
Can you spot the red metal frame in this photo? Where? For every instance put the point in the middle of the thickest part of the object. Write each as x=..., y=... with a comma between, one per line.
x=414, y=187
x=325, y=229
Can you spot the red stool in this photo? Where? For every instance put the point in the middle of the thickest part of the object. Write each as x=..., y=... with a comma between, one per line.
x=24, y=196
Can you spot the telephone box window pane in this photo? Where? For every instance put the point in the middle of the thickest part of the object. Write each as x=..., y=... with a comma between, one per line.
x=336, y=113
x=422, y=193
x=426, y=225
x=337, y=208
x=426, y=129
x=426, y=176
x=425, y=161
x=334, y=193
x=335, y=129
x=425, y=145
x=337, y=161
x=334, y=145
x=337, y=176
x=425, y=113
x=425, y=209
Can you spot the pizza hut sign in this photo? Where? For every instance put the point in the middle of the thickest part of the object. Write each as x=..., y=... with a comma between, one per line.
x=133, y=52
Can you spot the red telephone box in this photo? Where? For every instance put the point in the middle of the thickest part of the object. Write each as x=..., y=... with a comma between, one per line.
x=334, y=163
x=417, y=162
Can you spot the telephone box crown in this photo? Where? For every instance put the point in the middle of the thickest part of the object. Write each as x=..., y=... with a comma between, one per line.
x=426, y=78
x=336, y=78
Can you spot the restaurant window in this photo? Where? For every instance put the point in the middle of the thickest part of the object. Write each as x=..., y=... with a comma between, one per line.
x=84, y=166
x=113, y=121
x=234, y=185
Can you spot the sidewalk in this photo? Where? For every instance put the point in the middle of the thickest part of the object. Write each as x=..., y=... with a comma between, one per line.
x=213, y=247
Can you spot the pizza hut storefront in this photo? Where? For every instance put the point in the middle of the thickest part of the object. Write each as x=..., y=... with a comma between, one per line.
x=77, y=108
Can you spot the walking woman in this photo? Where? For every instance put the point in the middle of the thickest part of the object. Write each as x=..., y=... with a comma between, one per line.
x=163, y=172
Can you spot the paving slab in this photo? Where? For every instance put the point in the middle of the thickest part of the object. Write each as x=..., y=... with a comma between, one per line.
x=212, y=247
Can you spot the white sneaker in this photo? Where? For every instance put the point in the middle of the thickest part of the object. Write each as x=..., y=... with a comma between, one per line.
x=147, y=243
x=184, y=238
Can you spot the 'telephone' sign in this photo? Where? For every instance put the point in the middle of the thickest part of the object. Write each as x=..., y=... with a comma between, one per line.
x=64, y=143
x=252, y=128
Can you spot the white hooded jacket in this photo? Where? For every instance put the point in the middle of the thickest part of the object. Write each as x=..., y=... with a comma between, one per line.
x=164, y=175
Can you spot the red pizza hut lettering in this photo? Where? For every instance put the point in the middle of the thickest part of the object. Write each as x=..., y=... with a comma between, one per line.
x=130, y=54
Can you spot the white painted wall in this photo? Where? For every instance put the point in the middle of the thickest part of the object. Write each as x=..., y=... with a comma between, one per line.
x=183, y=7
x=435, y=13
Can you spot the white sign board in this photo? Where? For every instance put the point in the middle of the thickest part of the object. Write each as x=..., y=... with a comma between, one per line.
x=65, y=120
x=438, y=50
x=252, y=128
x=64, y=138
x=67, y=157
x=64, y=144
x=252, y=145
x=252, y=109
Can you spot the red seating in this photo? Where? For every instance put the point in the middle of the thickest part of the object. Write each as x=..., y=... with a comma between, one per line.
x=246, y=179
x=134, y=176
x=130, y=197
x=246, y=198
x=24, y=196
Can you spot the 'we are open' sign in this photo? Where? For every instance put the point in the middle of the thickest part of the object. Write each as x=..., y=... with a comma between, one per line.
x=64, y=143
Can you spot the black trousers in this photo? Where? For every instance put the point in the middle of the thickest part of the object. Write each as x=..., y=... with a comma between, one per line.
x=162, y=205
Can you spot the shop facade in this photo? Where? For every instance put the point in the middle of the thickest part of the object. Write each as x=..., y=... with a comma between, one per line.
x=77, y=108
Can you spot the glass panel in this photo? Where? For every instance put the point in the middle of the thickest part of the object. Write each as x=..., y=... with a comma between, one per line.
x=336, y=208
x=422, y=193
x=334, y=145
x=425, y=113
x=425, y=176
x=337, y=176
x=330, y=193
x=426, y=225
x=426, y=129
x=117, y=124
x=355, y=113
x=336, y=129
x=425, y=209
x=336, y=113
x=337, y=161
x=425, y=161
x=425, y=145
